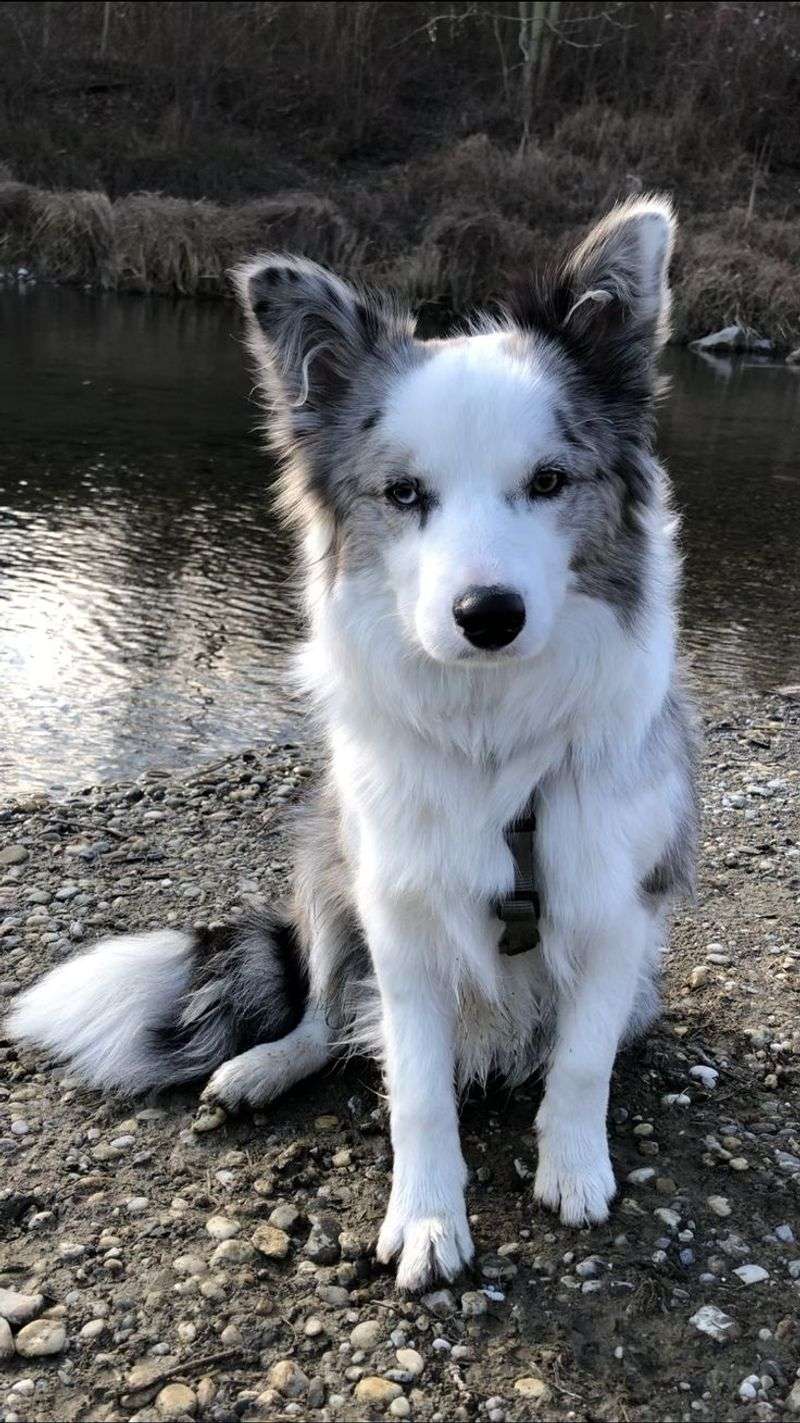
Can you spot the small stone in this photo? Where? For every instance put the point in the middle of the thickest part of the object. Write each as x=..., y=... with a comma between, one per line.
x=720, y=1205
x=473, y=1304
x=189, y=1265
x=288, y=1379
x=231, y=1337
x=641, y=1175
x=175, y=1400
x=41, y=1337
x=6, y=1340
x=739, y=1163
x=785, y=1233
x=209, y=1119
x=285, y=1217
x=233, y=1252
x=698, y=976
x=367, y=1336
x=707, y=1075
x=440, y=1303
x=751, y=1274
x=375, y=1392
x=206, y=1392
x=13, y=855
x=326, y=1123
x=93, y=1330
x=322, y=1245
x=273, y=1243
x=411, y=1361
x=400, y=1408
x=219, y=1227
x=793, y=1400
x=534, y=1391
x=144, y=1374
x=715, y=1323
x=19, y=1309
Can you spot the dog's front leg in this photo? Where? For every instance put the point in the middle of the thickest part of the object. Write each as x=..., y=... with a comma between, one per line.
x=426, y=1222
x=574, y=1174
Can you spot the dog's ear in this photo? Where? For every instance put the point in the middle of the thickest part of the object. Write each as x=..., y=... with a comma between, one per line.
x=311, y=332
x=616, y=281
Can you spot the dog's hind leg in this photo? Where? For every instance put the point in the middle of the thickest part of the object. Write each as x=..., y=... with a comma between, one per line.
x=266, y=1071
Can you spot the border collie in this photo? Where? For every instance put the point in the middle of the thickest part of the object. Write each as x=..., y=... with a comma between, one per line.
x=490, y=588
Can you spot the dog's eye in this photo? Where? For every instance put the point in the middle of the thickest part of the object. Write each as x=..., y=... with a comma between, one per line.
x=545, y=483
x=404, y=493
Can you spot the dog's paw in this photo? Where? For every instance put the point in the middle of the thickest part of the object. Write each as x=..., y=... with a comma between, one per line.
x=250, y=1080
x=430, y=1247
x=574, y=1176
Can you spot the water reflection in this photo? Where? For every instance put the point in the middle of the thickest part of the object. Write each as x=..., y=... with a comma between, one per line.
x=146, y=599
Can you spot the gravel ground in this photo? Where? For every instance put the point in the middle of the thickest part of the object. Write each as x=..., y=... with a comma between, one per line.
x=152, y=1271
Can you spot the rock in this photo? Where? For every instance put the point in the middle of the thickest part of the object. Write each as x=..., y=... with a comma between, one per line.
x=285, y=1217
x=6, y=1340
x=400, y=1408
x=715, y=1323
x=176, y=1400
x=707, y=1075
x=40, y=1338
x=219, y=1227
x=698, y=976
x=367, y=1336
x=288, y=1379
x=206, y=1392
x=233, y=1252
x=793, y=359
x=411, y=1361
x=720, y=1205
x=473, y=1304
x=732, y=338
x=273, y=1243
x=13, y=855
x=143, y=1374
x=751, y=1274
x=533, y=1390
x=375, y=1392
x=793, y=1401
x=19, y=1309
x=93, y=1330
x=209, y=1119
x=439, y=1302
x=322, y=1245
x=641, y=1175
x=189, y=1265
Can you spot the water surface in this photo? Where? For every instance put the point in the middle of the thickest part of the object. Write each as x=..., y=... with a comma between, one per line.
x=145, y=593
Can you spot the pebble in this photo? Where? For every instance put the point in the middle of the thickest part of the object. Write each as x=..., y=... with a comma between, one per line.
x=534, y=1391
x=715, y=1323
x=19, y=1309
x=793, y=1401
x=751, y=1274
x=285, y=1217
x=175, y=1400
x=219, y=1227
x=288, y=1378
x=272, y=1242
x=411, y=1361
x=473, y=1304
x=720, y=1205
x=641, y=1175
x=400, y=1408
x=41, y=1337
x=93, y=1329
x=440, y=1303
x=233, y=1252
x=367, y=1336
x=6, y=1340
x=374, y=1392
x=13, y=855
x=707, y=1075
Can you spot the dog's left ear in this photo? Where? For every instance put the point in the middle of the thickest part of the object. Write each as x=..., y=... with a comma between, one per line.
x=311, y=332
x=615, y=284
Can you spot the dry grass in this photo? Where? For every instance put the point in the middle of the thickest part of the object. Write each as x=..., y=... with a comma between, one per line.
x=450, y=228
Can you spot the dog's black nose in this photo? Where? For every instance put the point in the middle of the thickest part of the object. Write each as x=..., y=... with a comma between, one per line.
x=489, y=617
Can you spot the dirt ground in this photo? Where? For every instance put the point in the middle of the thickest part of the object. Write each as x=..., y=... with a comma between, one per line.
x=139, y=1242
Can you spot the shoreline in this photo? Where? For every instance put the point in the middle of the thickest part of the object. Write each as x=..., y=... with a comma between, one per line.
x=111, y=1210
x=447, y=233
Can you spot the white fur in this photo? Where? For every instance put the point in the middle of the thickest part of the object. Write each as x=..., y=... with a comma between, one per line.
x=264, y=1072
x=98, y=1009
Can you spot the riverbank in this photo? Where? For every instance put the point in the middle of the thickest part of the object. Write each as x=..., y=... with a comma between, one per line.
x=140, y=1243
x=447, y=230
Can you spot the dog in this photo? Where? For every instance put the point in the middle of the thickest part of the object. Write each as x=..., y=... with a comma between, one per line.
x=490, y=573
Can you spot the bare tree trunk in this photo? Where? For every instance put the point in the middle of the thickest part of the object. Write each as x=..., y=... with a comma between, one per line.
x=532, y=14
x=105, y=29
x=545, y=55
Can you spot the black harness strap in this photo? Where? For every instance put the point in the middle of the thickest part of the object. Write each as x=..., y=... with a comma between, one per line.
x=521, y=910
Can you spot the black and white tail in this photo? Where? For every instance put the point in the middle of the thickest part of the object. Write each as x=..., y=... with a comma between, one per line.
x=149, y=1010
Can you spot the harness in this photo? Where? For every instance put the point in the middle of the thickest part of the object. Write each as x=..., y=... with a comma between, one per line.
x=520, y=911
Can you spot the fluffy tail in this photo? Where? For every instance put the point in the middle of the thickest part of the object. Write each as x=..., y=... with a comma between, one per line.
x=148, y=1010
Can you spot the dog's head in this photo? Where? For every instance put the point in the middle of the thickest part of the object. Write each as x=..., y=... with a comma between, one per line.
x=486, y=479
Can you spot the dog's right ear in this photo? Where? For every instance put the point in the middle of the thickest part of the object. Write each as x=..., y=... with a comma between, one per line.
x=310, y=333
